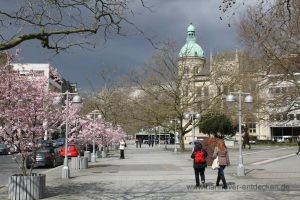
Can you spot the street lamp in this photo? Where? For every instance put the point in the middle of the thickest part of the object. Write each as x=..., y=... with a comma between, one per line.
x=58, y=100
x=157, y=130
x=193, y=116
x=175, y=121
x=248, y=99
x=94, y=114
x=45, y=127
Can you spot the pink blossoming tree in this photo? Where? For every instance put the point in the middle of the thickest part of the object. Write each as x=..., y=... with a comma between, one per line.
x=25, y=104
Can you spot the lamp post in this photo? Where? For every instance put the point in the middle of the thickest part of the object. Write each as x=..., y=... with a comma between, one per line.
x=193, y=116
x=58, y=100
x=248, y=99
x=94, y=114
x=175, y=121
x=45, y=126
x=157, y=129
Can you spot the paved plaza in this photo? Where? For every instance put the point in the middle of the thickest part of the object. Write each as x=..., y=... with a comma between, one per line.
x=154, y=173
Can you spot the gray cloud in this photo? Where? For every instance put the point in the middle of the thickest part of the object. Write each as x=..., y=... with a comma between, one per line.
x=168, y=20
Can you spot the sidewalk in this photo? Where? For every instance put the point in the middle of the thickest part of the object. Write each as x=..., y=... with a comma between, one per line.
x=153, y=173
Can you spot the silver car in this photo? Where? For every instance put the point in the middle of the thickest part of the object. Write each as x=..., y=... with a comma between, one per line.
x=45, y=157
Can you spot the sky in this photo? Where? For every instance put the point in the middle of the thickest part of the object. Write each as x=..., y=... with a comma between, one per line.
x=167, y=20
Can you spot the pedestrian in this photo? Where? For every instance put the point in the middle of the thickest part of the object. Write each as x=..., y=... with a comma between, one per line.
x=149, y=142
x=298, y=141
x=136, y=142
x=152, y=142
x=140, y=142
x=246, y=138
x=122, y=148
x=199, y=156
x=221, y=152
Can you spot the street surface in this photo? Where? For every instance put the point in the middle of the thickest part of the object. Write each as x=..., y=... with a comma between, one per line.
x=154, y=173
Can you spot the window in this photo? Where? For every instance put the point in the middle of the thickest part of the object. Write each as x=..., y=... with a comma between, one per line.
x=206, y=91
x=298, y=116
x=225, y=90
x=291, y=116
x=277, y=117
x=284, y=117
x=199, y=91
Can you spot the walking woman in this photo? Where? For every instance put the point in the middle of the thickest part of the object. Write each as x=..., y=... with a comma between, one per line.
x=199, y=155
x=222, y=153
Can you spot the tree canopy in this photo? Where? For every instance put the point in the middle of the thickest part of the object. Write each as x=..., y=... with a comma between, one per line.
x=218, y=125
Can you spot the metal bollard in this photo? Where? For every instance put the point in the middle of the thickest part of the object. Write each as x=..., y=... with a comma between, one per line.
x=75, y=162
x=103, y=154
x=83, y=163
x=87, y=154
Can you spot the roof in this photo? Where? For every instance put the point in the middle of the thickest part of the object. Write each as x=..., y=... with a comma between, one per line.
x=191, y=48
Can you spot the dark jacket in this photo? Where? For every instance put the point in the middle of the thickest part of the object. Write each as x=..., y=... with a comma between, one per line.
x=200, y=165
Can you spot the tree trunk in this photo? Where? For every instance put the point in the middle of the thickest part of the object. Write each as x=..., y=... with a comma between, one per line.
x=182, y=148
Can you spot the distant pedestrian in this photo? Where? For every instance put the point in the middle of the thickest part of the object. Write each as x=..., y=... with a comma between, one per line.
x=136, y=142
x=152, y=142
x=199, y=155
x=140, y=142
x=246, y=138
x=298, y=141
x=221, y=152
x=122, y=148
x=149, y=142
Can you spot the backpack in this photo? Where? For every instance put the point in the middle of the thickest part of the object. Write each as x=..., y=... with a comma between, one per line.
x=199, y=157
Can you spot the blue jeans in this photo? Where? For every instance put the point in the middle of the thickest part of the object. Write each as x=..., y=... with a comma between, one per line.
x=221, y=176
x=221, y=170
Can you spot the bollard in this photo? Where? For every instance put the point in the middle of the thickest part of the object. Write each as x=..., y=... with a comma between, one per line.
x=87, y=154
x=98, y=154
x=103, y=154
x=75, y=162
x=83, y=163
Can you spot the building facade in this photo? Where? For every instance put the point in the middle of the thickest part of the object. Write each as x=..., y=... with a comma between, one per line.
x=208, y=81
x=55, y=81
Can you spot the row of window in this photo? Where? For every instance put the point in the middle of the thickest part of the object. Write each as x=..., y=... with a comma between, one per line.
x=284, y=117
x=281, y=90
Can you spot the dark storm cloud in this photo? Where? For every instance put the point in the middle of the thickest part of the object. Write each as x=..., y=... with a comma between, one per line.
x=167, y=20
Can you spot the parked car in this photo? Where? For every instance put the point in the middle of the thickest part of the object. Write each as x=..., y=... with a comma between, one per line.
x=60, y=141
x=3, y=149
x=252, y=142
x=73, y=151
x=45, y=156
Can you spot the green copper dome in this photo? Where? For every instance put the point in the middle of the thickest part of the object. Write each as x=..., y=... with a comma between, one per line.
x=191, y=48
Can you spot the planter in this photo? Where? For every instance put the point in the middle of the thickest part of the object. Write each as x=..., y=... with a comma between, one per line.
x=22, y=187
